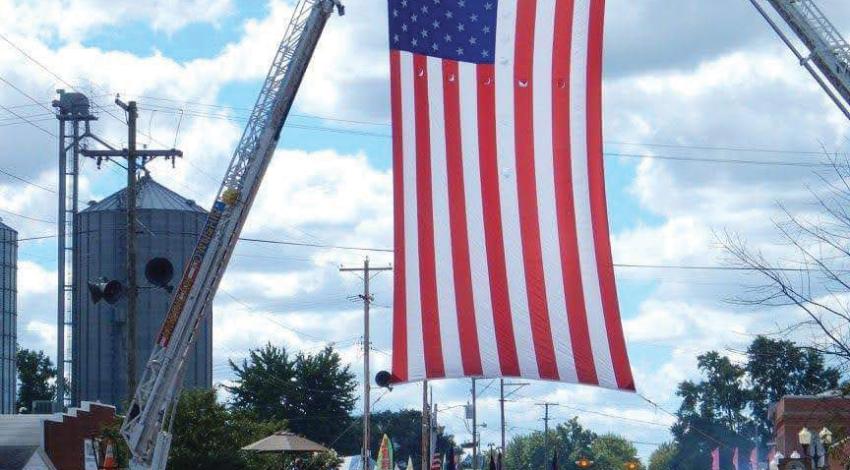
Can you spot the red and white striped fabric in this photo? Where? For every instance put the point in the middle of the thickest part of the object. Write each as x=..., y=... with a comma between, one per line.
x=502, y=253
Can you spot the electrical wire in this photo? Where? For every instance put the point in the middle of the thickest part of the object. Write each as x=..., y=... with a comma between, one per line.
x=29, y=122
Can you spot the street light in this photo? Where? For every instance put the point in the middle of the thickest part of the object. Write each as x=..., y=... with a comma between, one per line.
x=631, y=466
x=584, y=463
x=826, y=436
x=774, y=464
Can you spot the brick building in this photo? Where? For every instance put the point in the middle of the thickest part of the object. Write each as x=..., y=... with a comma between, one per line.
x=832, y=411
x=51, y=441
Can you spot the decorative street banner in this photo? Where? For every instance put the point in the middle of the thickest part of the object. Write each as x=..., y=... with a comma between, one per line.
x=385, y=455
x=502, y=253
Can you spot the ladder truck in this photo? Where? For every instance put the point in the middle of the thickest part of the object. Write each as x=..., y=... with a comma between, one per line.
x=828, y=58
x=150, y=417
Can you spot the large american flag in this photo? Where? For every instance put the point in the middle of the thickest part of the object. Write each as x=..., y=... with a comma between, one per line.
x=502, y=254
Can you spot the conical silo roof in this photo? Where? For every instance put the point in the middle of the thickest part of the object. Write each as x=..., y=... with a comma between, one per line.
x=149, y=195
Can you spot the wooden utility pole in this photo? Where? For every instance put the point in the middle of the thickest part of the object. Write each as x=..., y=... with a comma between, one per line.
x=131, y=153
x=367, y=300
x=132, y=287
x=502, y=411
x=474, y=429
x=502, y=400
x=546, y=433
x=426, y=427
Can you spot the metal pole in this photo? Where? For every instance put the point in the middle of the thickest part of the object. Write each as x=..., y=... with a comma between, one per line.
x=60, y=261
x=426, y=427
x=366, y=378
x=474, y=430
x=133, y=114
x=546, y=435
x=502, y=410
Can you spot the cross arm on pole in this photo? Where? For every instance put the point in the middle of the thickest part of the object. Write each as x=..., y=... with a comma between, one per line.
x=170, y=153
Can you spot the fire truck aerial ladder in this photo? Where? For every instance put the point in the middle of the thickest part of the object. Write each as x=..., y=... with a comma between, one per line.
x=828, y=58
x=150, y=416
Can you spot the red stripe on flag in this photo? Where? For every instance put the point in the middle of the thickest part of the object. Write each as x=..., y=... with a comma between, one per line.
x=467, y=331
x=432, y=342
x=491, y=206
x=564, y=198
x=541, y=330
x=399, y=296
x=598, y=205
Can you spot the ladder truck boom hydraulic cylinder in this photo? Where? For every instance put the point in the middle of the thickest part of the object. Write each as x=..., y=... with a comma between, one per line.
x=150, y=416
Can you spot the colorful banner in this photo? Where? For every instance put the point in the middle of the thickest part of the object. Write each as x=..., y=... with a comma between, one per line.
x=385, y=454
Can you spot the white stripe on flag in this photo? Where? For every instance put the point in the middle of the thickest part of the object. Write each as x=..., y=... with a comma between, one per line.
x=506, y=150
x=446, y=300
x=415, y=350
x=467, y=78
x=581, y=190
x=553, y=272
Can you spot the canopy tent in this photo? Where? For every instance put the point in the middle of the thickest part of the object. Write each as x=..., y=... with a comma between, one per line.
x=285, y=441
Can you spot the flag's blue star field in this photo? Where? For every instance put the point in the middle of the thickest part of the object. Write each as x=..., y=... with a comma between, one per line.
x=463, y=30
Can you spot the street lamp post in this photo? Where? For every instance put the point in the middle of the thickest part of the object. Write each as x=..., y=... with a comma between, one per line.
x=805, y=439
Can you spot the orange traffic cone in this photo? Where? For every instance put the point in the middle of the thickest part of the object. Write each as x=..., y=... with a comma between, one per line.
x=109, y=461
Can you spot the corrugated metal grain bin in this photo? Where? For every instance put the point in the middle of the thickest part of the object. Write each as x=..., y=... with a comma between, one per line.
x=8, y=316
x=168, y=227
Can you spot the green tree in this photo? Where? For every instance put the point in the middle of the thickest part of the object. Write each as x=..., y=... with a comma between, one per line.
x=779, y=367
x=208, y=435
x=729, y=407
x=610, y=451
x=35, y=373
x=713, y=412
x=315, y=394
x=404, y=428
x=663, y=457
x=571, y=440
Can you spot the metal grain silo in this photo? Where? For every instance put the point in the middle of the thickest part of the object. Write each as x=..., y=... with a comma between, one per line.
x=168, y=228
x=8, y=316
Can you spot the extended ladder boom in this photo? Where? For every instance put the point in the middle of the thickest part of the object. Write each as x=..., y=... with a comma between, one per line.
x=828, y=50
x=150, y=415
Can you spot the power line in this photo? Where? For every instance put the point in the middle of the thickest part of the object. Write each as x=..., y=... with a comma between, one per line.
x=316, y=245
x=724, y=161
x=57, y=77
x=35, y=219
x=29, y=121
x=39, y=103
x=390, y=250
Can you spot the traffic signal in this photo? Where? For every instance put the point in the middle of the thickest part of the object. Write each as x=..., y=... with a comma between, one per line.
x=631, y=466
x=104, y=289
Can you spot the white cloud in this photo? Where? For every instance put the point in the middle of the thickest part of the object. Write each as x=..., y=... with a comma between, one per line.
x=76, y=19
x=45, y=332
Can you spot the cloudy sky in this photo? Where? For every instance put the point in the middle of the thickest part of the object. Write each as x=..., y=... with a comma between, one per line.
x=687, y=83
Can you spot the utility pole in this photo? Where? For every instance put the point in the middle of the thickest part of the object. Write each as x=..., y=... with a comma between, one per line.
x=132, y=288
x=426, y=427
x=131, y=153
x=546, y=432
x=367, y=300
x=502, y=400
x=474, y=429
x=502, y=411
